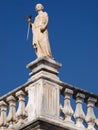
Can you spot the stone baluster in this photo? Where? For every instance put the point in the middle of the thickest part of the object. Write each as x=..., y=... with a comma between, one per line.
x=21, y=115
x=67, y=110
x=79, y=113
x=11, y=119
x=3, y=122
x=90, y=117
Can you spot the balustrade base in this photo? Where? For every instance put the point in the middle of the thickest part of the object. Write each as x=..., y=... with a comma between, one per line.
x=43, y=123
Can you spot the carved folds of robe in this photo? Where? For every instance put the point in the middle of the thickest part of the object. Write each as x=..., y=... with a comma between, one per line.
x=40, y=36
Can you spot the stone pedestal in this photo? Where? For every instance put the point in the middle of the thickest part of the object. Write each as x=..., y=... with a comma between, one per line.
x=44, y=90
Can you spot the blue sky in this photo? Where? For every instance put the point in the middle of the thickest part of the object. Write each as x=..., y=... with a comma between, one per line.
x=73, y=34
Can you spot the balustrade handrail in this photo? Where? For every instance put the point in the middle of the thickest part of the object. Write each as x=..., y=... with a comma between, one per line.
x=62, y=84
x=22, y=87
x=78, y=90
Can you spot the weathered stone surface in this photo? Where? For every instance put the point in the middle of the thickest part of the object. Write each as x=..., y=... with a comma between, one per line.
x=46, y=124
x=43, y=92
x=44, y=64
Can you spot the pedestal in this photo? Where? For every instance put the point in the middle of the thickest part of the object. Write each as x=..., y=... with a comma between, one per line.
x=44, y=91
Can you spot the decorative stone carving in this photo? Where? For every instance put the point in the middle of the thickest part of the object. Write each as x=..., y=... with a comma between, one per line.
x=79, y=113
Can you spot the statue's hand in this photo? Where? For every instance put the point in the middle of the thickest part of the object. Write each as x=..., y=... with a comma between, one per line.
x=34, y=46
x=29, y=19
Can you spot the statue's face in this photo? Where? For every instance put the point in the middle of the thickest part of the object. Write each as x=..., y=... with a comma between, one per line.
x=39, y=7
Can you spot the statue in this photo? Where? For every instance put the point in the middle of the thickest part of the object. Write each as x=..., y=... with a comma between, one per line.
x=40, y=33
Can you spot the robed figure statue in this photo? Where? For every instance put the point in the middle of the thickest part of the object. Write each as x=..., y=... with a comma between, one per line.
x=40, y=33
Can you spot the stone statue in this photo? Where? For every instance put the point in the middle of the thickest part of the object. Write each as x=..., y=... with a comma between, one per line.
x=40, y=33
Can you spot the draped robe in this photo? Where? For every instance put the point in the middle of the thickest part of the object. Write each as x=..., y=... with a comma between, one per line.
x=40, y=36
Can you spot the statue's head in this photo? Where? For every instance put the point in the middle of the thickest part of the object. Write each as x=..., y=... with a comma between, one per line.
x=39, y=7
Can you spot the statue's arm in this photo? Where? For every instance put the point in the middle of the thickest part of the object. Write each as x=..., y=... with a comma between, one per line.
x=45, y=20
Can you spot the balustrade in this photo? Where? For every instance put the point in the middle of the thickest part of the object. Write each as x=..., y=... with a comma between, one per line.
x=14, y=111
x=82, y=120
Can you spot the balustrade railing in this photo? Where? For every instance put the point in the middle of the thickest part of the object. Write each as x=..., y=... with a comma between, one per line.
x=85, y=118
x=13, y=109
x=14, y=112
